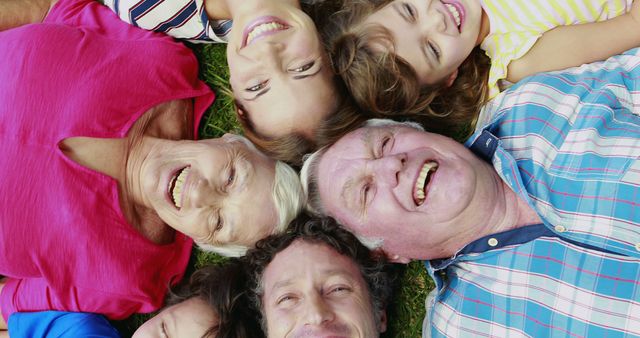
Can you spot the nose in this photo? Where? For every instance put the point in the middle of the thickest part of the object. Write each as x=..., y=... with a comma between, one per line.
x=387, y=169
x=203, y=193
x=434, y=21
x=318, y=311
x=269, y=53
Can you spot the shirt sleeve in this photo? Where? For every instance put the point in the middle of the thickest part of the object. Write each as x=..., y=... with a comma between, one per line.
x=34, y=294
x=56, y=324
x=181, y=19
x=90, y=15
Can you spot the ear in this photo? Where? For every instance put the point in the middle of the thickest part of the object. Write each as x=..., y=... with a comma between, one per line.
x=240, y=112
x=383, y=321
x=451, y=78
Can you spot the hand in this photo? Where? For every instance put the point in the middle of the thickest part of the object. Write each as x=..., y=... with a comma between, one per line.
x=3, y=324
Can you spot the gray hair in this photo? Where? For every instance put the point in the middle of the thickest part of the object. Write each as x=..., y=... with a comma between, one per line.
x=288, y=198
x=309, y=176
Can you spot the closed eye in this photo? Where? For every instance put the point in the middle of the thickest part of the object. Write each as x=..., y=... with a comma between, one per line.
x=257, y=87
x=231, y=178
x=386, y=143
x=164, y=330
x=219, y=223
x=303, y=68
x=409, y=12
x=365, y=194
x=285, y=299
x=340, y=289
x=433, y=49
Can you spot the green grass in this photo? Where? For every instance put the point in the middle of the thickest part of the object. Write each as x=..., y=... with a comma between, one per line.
x=407, y=311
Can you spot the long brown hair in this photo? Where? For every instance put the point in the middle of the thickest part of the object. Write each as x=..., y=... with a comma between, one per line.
x=385, y=85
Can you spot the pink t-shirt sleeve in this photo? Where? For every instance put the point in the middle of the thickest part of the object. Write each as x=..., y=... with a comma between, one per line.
x=35, y=294
x=93, y=16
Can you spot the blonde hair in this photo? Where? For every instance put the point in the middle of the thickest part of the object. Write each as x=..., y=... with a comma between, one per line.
x=386, y=86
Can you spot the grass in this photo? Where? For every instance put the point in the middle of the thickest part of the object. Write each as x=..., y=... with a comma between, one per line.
x=407, y=311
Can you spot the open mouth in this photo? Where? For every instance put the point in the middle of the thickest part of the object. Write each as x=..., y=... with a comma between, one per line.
x=456, y=11
x=420, y=189
x=176, y=184
x=262, y=27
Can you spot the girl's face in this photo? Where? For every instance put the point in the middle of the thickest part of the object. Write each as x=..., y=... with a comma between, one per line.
x=191, y=318
x=433, y=36
x=279, y=70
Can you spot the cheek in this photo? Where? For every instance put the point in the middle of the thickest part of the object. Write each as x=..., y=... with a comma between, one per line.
x=279, y=322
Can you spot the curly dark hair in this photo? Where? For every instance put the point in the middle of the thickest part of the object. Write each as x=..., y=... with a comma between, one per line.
x=373, y=266
x=224, y=288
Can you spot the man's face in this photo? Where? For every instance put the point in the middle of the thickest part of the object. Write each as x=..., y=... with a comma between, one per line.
x=418, y=192
x=310, y=290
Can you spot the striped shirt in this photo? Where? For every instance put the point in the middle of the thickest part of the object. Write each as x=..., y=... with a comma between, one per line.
x=569, y=144
x=182, y=19
x=517, y=25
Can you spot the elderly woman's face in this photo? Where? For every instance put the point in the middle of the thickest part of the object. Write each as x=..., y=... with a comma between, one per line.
x=216, y=191
x=190, y=318
x=279, y=70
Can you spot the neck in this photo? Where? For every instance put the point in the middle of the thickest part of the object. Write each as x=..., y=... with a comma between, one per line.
x=501, y=209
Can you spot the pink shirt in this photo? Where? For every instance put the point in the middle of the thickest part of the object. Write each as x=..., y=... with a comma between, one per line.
x=64, y=242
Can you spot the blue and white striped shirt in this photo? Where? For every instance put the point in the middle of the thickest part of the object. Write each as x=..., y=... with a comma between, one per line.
x=568, y=143
x=182, y=19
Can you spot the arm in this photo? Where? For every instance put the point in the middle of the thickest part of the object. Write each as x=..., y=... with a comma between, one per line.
x=3, y=324
x=14, y=13
x=574, y=45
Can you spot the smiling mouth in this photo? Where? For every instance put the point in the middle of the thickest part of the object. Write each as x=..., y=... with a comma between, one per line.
x=176, y=184
x=262, y=27
x=455, y=14
x=424, y=177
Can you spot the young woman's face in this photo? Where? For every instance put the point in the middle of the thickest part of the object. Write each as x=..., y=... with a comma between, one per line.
x=433, y=36
x=279, y=70
x=190, y=318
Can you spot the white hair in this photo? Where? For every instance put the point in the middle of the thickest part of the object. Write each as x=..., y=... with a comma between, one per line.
x=391, y=123
x=288, y=198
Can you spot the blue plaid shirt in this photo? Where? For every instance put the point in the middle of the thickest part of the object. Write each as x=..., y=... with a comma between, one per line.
x=569, y=144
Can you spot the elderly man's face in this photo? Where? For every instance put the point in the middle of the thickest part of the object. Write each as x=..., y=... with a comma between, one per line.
x=310, y=290
x=415, y=190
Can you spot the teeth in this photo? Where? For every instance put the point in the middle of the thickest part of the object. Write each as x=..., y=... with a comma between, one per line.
x=177, y=182
x=421, y=181
x=454, y=11
x=265, y=27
